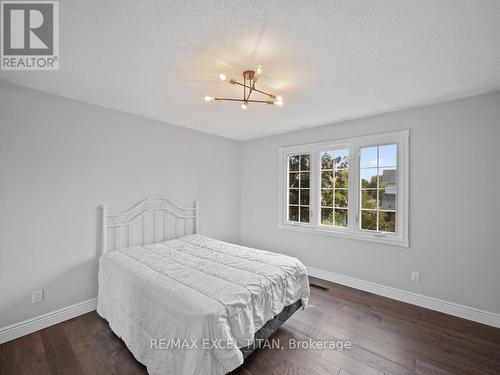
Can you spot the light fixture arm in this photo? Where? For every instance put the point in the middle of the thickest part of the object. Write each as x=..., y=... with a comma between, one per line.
x=250, y=91
x=244, y=88
x=233, y=82
x=217, y=98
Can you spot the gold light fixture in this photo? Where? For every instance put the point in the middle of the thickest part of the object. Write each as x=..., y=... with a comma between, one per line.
x=250, y=77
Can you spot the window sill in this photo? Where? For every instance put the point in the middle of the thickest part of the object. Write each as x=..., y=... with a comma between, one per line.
x=388, y=239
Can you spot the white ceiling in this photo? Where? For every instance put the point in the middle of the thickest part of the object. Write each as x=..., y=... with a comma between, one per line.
x=331, y=60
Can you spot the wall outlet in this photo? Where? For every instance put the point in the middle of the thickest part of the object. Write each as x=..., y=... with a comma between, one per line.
x=415, y=276
x=37, y=296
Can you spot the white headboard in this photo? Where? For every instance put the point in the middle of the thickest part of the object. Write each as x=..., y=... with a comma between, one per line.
x=151, y=220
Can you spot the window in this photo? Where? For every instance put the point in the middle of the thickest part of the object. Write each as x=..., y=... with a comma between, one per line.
x=354, y=188
x=378, y=168
x=298, y=188
x=334, y=185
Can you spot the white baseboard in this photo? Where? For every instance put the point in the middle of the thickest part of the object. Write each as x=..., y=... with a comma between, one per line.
x=43, y=321
x=466, y=312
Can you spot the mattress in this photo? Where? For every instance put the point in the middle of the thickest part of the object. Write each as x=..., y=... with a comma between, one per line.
x=187, y=306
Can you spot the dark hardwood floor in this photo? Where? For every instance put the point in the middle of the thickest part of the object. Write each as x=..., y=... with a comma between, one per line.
x=387, y=337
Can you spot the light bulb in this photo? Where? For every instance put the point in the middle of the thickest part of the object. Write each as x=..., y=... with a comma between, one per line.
x=258, y=70
x=279, y=100
x=222, y=77
x=244, y=106
x=208, y=98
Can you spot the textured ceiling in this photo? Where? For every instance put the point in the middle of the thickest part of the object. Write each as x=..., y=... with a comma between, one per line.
x=331, y=60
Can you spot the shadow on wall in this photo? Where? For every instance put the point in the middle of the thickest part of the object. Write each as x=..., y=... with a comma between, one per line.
x=75, y=285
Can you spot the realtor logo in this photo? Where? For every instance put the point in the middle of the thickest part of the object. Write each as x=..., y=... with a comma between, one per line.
x=29, y=35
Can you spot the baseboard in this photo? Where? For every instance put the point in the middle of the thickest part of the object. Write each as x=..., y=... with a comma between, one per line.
x=466, y=312
x=43, y=321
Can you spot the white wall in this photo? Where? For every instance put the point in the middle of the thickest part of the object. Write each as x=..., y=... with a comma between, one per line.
x=454, y=204
x=60, y=159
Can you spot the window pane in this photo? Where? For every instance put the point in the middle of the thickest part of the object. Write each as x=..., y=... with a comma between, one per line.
x=304, y=214
x=327, y=179
x=293, y=213
x=304, y=197
x=369, y=220
x=298, y=187
x=369, y=178
x=388, y=156
x=304, y=179
x=293, y=163
x=368, y=157
x=304, y=162
x=327, y=197
x=326, y=160
x=382, y=177
x=341, y=198
x=340, y=218
x=387, y=179
x=341, y=179
x=387, y=199
x=387, y=221
x=293, y=181
x=341, y=158
x=327, y=216
x=369, y=199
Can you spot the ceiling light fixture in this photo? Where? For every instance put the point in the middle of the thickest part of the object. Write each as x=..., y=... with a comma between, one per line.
x=250, y=77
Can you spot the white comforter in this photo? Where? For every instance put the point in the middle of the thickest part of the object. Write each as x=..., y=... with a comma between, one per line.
x=191, y=291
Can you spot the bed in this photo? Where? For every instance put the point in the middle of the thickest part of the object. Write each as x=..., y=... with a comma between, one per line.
x=184, y=303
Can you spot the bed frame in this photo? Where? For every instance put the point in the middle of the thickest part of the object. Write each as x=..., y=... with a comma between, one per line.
x=153, y=219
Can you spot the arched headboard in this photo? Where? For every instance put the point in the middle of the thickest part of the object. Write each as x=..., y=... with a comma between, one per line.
x=154, y=219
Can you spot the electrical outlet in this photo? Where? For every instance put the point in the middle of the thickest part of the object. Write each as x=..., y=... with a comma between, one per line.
x=415, y=276
x=37, y=296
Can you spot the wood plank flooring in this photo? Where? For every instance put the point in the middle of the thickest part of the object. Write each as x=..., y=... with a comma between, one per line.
x=386, y=336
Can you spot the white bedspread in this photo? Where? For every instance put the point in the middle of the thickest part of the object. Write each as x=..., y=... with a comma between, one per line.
x=195, y=289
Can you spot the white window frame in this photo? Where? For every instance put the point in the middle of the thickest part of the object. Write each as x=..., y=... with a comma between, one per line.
x=352, y=231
